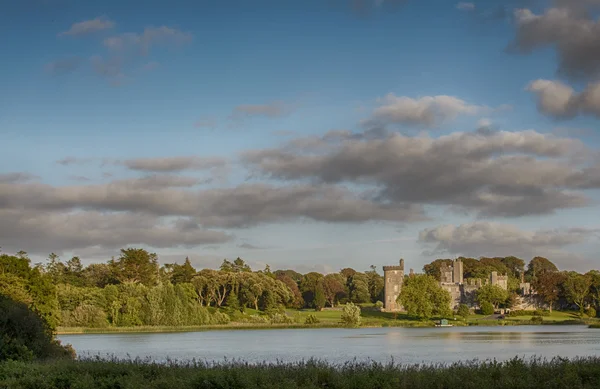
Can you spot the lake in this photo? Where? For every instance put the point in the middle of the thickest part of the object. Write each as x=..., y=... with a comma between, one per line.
x=404, y=345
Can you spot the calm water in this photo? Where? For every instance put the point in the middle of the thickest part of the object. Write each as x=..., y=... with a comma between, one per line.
x=404, y=345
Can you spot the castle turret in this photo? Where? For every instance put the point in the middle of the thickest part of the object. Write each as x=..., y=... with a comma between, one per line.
x=393, y=280
x=458, y=271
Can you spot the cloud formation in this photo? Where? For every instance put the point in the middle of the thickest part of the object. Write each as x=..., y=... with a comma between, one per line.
x=491, y=173
x=88, y=27
x=560, y=101
x=568, y=28
x=141, y=43
x=242, y=206
x=16, y=177
x=464, y=6
x=173, y=164
x=53, y=231
x=427, y=111
x=495, y=239
x=64, y=65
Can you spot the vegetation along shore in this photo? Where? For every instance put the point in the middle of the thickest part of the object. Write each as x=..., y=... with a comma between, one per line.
x=517, y=373
x=133, y=293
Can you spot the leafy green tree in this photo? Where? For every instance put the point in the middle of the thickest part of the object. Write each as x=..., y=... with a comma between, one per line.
x=26, y=336
x=433, y=269
x=515, y=266
x=351, y=315
x=359, y=288
x=538, y=266
x=487, y=308
x=319, y=301
x=577, y=288
x=135, y=266
x=463, y=311
x=422, y=296
x=182, y=273
x=594, y=277
x=308, y=286
x=99, y=274
x=375, y=283
x=492, y=294
x=237, y=266
x=548, y=286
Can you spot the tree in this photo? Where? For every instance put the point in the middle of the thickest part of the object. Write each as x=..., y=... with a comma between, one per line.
x=359, y=288
x=237, y=266
x=594, y=277
x=577, y=288
x=297, y=300
x=515, y=266
x=492, y=294
x=25, y=335
x=548, y=286
x=135, y=266
x=182, y=273
x=463, y=311
x=308, y=287
x=433, y=269
x=351, y=315
x=539, y=265
x=487, y=308
x=422, y=296
x=375, y=283
x=347, y=272
x=319, y=301
x=333, y=287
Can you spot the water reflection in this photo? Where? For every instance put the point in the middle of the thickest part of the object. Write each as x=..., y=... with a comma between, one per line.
x=403, y=345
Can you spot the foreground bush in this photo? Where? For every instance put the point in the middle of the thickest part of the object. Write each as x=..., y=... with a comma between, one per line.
x=25, y=335
x=516, y=373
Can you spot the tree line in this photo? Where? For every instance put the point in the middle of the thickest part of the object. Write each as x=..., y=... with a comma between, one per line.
x=134, y=290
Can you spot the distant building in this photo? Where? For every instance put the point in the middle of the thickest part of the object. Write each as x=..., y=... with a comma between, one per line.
x=451, y=279
x=394, y=279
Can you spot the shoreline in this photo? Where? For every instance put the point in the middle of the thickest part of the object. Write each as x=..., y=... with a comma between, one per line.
x=244, y=326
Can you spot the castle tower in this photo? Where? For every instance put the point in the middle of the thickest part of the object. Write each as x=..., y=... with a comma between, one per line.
x=393, y=280
x=494, y=278
x=458, y=271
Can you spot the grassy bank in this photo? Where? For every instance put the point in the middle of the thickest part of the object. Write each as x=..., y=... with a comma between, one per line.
x=332, y=319
x=517, y=373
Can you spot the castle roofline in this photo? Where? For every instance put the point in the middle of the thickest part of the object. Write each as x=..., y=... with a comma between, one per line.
x=387, y=268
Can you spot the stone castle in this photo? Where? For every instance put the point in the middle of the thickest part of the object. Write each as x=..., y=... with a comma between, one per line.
x=451, y=279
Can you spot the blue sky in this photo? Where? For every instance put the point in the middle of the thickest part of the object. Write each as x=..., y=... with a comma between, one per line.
x=102, y=83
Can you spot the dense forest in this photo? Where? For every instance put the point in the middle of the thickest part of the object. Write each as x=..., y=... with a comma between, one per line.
x=134, y=290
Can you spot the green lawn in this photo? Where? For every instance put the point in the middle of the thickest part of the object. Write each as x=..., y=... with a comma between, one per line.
x=554, y=316
x=370, y=317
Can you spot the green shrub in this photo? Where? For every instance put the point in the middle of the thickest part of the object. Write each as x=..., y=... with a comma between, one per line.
x=256, y=319
x=487, y=308
x=463, y=310
x=85, y=315
x=540, y=312
x=590, y=312
x=537, y=319
x=311, y=319
x=280, y=318
x=25, y=335
x=221, y=318
x=351, y=315
x=379, y=305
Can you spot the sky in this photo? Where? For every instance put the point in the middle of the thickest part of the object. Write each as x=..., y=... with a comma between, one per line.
x=309, y=135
